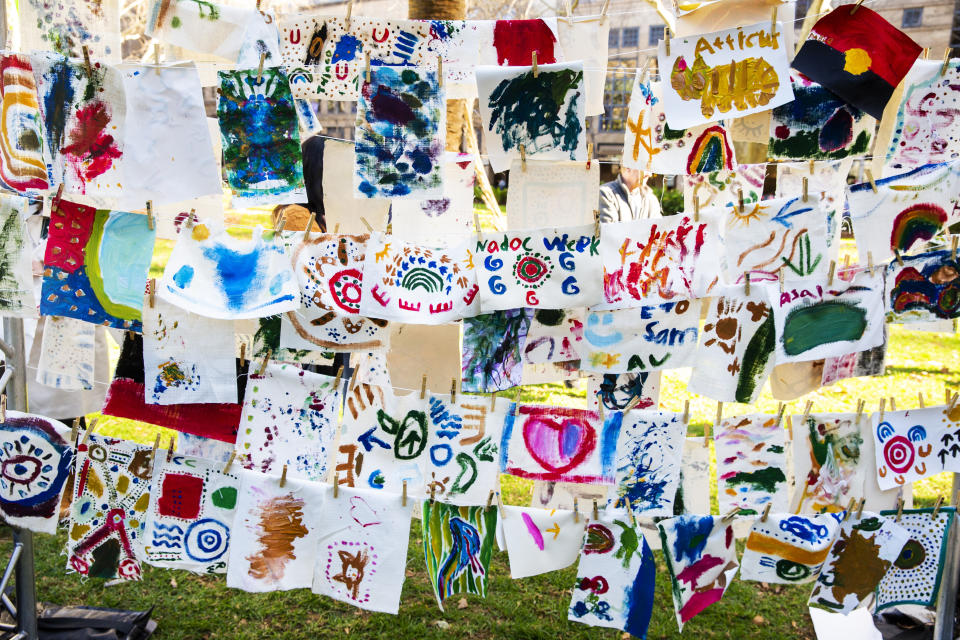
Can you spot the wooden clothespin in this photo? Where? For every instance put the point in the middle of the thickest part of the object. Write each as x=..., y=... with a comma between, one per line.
x=780, y=279
x=596, y=511
x=150, y=214
x=634, y=401
x=476, y=222
x=156, y=53
x=893, y=403
x=171, y=449
x=86, y=436
x=926, y=53
x=730, y=516
x=953, y=247
x=55, y=205
x=336, y=381
x=860, y=506
x=493, y=401
x=336, y=484
x=86, y=60
x=423, y=387
x=899, y=508
x=596, y=223
x=806, y=182
x=746, y=282
x=503, y=513
x=920, y=398
x=153, y=291
x=263, y=58
x=811, y=166
x=306, y=232
x=936, y=507
x=439, y=69
x=336, y=229
x=853, y=10
x=873, y=183
x=603, y=10
x=686, y=411
x=156, y=447
x=883, y=407
x=633, y=521
x=740, y=198
x=366, y=66
x=850, y=506
x=489, y=500
x=263, y=365
x=896, y=254
x=366, y=224
x=349, y=13
x=589, y=154
x=666, y=41
x=73, y=433
x=782, y=409
x=696, y=208
x=870, y=262
x=766, y=512
x=833, y=267
x=576, y=510
x=281, y=223
x=536, y=70
x=946, y=61
x=806, y=411
x=861, y=405
x=453, y=391
x=283, y=479
x=353, y=378
x=226, y=467
x=719, y=419
x=433, y=490
x=403, y=498
x=523, y=157
x=243, y=353
x=773, y=21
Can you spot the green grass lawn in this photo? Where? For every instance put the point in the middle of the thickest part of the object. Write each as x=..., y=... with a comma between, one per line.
x=189, y=606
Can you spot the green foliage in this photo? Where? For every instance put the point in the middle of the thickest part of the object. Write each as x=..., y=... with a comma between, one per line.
x=671, y=200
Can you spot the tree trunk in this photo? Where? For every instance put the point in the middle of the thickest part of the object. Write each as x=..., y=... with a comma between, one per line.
x=444, y=10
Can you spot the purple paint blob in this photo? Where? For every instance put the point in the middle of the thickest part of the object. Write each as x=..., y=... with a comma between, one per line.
x=533, y=530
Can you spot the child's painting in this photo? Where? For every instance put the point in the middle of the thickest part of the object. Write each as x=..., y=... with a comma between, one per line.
x=818, y=125
x=276, y=533
x=111, y=496
x=434, y=220
x=68, y=354
x=651, y=145
x=492, y=350
x=457, y=546
x=617, y=391
x=289, y=420
x=552, y=335
x=216, y=275
x=751, y=464
x=95, y=265
x=711, y=79
x=192, y=505
x=659, y=258
x=915, y=444
x=860, y=557
x=872, y=362
x=362, y=553
x=925, y=288
x=401, y=133
x=615, y=578
x=701, y=559
x=648, y=456
x=23, y=165
x=211, y=28
x=541, y=111
x=828, y=463
x=826, y=177
x=552, y=194
x=560, y=444
x=539, y=541
x=417, y=284
x=735, y=354
x=187, y=359
x=261, y=139
x=816, y=319
x=646, y=338
x=16, y=270
x=36, y=458
x=917, y=572
x=723, y=188
x=552, y=268
x=858, y=55
x=788, y=549
x=65, y=27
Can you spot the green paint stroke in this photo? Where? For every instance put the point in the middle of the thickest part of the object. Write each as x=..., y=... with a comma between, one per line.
x=808, y=327
x=760, y=480
x=755, y=359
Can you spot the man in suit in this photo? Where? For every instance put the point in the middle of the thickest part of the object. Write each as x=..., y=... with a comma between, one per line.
x=628, y=198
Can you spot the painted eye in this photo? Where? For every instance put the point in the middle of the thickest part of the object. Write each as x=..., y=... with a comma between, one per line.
x=884, y=431
x=917, y=433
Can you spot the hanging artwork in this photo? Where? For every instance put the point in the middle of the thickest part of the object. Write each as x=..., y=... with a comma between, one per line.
x=550, y=268
x=126, y=399
x=738, y=341
x=587, y=38
x=187, y=359
x=872, y=362
x=435, y=220
x=786, y=235
x=362, y=553
x=648, y=462
x=261, y=141
x=339, y=205
x=559, y=444
x=213, y=274
x=159, y=166
x=67, y=354
x=400, y=136
x=289, y=421
x=751, y=464
x=616, y=391
x=906, y=210
x=457, y=545
x=36, y=457
x=650, y=144
x=95, y=265
x=22, y=162
x=728, y=73
x=552, y=194
x=924, y=288
x=275, y=541
x=541, y=111
x=915, y=444
x=192, y=505
x=539, y=541
x=723, y=188
x=16, y=270
x=329, y=270
x=410, y=283
x=915, y=575
x=646, y=338
x=701, y=559
x=788, y=549
x=206, y=27
x=84, y=124
x=829, y=179
x=552, y=335
x=818, y=125
x=828, y=464
x=266, y=344
x=659, y=258
x=65, y=27
x=922, y=128
x=111, y=496
x=615, y=578
x=463, y=443
x=492, y=350
x=816, y=319
x=866, y=548
x=857, y=55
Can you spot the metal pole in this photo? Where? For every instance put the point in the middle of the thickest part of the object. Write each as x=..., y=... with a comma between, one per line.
x=947, y=599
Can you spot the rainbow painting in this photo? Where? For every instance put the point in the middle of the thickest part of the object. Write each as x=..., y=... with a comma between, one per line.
x=917, y=223
x=710, y=152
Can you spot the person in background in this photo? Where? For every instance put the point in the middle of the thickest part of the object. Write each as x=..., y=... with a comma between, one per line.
x=628, y=198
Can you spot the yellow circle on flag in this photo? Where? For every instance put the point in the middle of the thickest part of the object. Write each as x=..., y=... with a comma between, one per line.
x=856, y=61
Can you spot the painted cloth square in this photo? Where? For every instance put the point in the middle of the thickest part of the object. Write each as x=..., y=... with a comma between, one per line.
x=788, y=549
x=65, y=27
x=552, y=194
x=615, y=391
x=723, y=188
x=457, y=546
x=16, y=270
x=23, y=163
x=923, y=289
x=492, y=350
x=539, y=541
x=751, y=464
x=915, y=444
x=67, y=354
x=917, y=572
x=552, y=335
x=872, y=362
x=436, y=220
x=205, y=27
x=829, y=179
x=828, y=461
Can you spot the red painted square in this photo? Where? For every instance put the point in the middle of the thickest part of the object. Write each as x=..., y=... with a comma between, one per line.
x=180, y=496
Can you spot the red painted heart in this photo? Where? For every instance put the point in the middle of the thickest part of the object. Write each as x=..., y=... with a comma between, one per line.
x=558, y=447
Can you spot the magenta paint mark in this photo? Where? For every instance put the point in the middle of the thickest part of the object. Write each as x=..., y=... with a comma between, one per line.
x=516, y=40
x=534, y=531
x=91, y=151
x=698, y=602
x=559, y=445
x=692, y=573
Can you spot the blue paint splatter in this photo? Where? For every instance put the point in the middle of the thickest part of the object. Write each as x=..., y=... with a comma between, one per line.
x=184, y=276
x=238, y=272
x=691, y=536
x=346, y=49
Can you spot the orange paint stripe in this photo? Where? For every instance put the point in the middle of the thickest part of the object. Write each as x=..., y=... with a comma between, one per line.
x=767, y=544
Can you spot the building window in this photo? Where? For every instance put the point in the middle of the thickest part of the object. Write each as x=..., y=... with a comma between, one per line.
x=613, y=39
x=656, y=34
x=912, y=17
x=616, y=94
x=631, y=37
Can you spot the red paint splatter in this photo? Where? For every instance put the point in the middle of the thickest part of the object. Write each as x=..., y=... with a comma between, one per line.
x=516, y=40
x=91, y=151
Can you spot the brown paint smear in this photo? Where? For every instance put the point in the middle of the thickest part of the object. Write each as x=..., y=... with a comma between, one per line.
x=858, y=568
x=281, y=524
